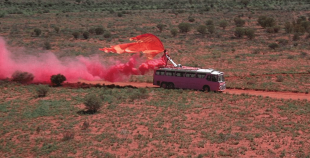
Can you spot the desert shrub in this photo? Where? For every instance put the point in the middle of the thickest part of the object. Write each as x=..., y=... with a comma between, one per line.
x=223, y=24
x=265, y=21
x=58, y=79
x=174, y=32
x=273, y=46
x=76, y=35
x=67, y=135
x=250, y=33
x=299, y=29
x=290, y=57
x=239, y=32
x=303, y=54
x=305, y=24
x=289, y=28
x=211, y=29
x=2, y=14
x=22, y=77
x=37, y=31
x=47, y=45
x=86, y=35
x=85, y=125
x=92, y=103
x=282, y=42
x=245, y=2
x=296, y=37
x=209, y=22
x=239, y=22
x=42, y=90
x=202, y=29
x=160, y=27
x=191, y=19
x=119, y=14
x=276, y=29
x=184, y=27
x=280, y=78
x=56, y=29
x=269, y=30
x=92, y=31
x=99, y=30
x=107, y=34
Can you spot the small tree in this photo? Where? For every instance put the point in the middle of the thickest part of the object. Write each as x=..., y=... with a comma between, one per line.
x=37, y=31
x=223, y=24
x=202, y=29
x=239, y=32
x=184, y=27
x=174, y=32
x=160, y=27
x=47, y=45
x=99, y=30
x=239, y=22
x=250, y=33
x=56, y=29
x=191, y=19
x=92, y=103
x=107, y=34
x=86, y=35
x=209, y=22
x=273, y=46
x=42, y=90
x=211, y=29
x=58, y=79
x=22, y=77
x=76, y=35
x=265, y=21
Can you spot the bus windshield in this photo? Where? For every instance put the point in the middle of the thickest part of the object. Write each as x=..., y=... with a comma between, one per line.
x=221, y=78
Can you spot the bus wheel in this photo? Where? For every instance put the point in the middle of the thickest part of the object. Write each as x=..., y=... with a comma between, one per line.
x=170, y=86
x=206, y=88
x=163, y=85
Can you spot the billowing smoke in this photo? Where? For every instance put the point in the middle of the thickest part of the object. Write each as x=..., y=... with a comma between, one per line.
x=74, y=68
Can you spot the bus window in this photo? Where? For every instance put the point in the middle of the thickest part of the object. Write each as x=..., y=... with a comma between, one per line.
x=221, y=78
x=162, y=72
x=179, y=74
x=214, y=78
x=169, y=73
x=201, y=75
x=190, y=74
x=209, y=77
x=157, y=72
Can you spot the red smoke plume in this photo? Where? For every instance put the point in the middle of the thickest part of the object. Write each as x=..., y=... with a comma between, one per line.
x=75, y=68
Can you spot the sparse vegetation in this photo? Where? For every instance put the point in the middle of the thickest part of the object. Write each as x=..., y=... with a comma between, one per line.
x=22, y=77
x=42, y=90
x=58, y=79
x=37, y=32
x=160, y=27
x=92, y=103
x=202, y=29
x=76, y=35
x=184, y=27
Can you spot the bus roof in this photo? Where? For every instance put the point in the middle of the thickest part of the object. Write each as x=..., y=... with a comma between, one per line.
x=192, y=69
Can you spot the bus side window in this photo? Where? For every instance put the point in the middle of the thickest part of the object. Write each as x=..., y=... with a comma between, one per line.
x=201, y=75
x=193, y=75
x=162, y=73
x=214, y=78
x=169, y=73
x=179, y=74
x=157, y=72
x=209, y=77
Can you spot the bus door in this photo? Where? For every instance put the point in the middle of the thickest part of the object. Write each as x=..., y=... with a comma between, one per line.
x=213, y=82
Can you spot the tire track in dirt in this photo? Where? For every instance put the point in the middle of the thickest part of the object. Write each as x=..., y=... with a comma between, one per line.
x=278, y=95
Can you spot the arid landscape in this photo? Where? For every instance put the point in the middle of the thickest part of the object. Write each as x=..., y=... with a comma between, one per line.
x=261, y=46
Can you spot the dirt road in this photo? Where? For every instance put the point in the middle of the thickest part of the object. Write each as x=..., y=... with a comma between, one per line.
x=278, y=95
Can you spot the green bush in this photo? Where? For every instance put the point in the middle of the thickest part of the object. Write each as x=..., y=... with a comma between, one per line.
x=174, y=32
x=92, y=31
x=250, y=33
x=99, y=30
x=289, y=28
x=86, y=35
x=58, y=79
x=269, y=30
x=56, y=29
x=107, y=34
x=42, y=90
x=37, y=31
x=239, y=32
x=47, y=45
x=202, y=29
x=276, y=29
x=280, y=78
x=184, y=27
x=76, y=35
x=2, y=14
x=265, y=21
x=191, y=19
x=119, y=14
x=239, y=22
x=160, y=27
x=22, y=77
x=223, y=24
x=296, y=37
x=92, y=103
x=211, y=29
x=209, y=22
x=273, y=46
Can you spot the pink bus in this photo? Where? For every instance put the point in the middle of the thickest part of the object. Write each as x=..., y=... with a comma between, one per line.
x=189, y=78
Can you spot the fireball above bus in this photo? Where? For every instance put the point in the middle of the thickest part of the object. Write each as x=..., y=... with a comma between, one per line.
x=185, y=77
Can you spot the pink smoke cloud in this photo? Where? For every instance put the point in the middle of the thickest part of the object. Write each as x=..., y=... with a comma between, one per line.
x=87, y=68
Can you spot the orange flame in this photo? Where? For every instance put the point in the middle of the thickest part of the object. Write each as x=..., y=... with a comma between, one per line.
x=147, y=43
